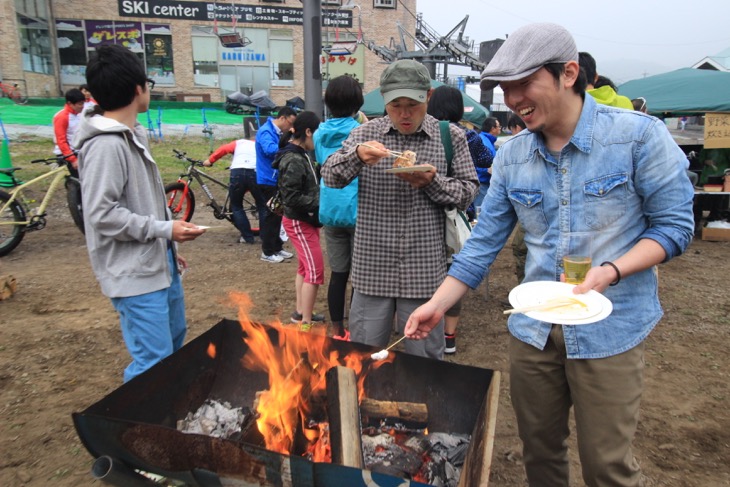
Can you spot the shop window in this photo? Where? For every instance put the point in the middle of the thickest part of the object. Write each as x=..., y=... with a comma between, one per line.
x=205, y=60
x=71, y=43
x=158, y=56
x=281, y=47
x=35, y=45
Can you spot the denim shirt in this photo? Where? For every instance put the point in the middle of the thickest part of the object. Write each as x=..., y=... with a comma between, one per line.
x=622, y=177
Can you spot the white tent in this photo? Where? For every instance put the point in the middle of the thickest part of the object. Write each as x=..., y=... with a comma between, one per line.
x=498, y=105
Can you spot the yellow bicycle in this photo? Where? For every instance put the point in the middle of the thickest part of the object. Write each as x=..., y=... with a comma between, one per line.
x=20, y=213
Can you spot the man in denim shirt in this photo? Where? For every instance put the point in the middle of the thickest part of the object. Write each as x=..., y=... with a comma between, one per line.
x=582, y=167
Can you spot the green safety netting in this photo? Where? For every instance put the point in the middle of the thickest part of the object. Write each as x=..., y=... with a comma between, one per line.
x=40, y=112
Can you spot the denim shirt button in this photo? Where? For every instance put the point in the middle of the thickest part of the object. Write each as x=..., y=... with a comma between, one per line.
x=564, y=171
x=564, y=202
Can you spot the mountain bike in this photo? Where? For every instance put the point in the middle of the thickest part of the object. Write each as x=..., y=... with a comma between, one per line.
x=181, y=199
x=13, y=92
x=20, y=213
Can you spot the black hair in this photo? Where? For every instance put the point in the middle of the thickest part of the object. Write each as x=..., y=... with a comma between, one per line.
x=343, y=96
x=84, y=87
x=489, y=123
x=604, y=81
x=305, y=120
x=113, y=75
x=640, y=104
x=446, y=103
x=74, y=95
x=285, y=112
x=514, y=120
x=588, y=65
x=556, y=69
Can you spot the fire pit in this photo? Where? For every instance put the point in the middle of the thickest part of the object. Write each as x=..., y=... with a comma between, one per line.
x=134, y=427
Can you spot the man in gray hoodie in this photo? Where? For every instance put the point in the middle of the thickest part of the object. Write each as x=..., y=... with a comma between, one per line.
x=130, y=233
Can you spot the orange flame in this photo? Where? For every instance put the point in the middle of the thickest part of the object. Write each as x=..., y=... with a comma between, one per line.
x=296, y=367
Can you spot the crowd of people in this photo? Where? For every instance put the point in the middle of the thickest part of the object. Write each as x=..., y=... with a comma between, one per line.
x=565, y=169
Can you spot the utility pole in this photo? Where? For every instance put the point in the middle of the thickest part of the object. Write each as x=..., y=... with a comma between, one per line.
x=312, y=11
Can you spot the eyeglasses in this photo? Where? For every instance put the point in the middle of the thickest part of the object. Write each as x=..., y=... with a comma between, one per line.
x=151, y=83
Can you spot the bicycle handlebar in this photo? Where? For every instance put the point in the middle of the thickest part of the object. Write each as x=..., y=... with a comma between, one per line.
x=183, y=156
x=51, y=160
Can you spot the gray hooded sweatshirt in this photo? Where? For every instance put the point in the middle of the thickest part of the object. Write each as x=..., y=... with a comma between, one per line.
x=128, y=226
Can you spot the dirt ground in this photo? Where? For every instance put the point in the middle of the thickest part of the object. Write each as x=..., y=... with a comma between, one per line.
x=61, y=350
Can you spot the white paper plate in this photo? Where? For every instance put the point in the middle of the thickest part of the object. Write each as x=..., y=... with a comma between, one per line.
x=598, y=306
x=409, y=169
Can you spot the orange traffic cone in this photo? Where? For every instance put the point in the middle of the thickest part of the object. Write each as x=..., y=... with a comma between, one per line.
x=5, y=163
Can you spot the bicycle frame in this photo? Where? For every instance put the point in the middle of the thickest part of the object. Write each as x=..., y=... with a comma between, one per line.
x=195, y=173
x=58, y=174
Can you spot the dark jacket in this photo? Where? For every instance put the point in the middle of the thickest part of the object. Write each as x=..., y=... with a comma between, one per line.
x=298, y=184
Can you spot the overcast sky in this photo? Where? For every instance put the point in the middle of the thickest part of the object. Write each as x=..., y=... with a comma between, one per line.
x=629, y=38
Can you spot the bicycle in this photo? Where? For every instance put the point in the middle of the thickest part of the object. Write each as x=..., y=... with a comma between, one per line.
x=181, y=199
x=13, y=92
x=19, y=213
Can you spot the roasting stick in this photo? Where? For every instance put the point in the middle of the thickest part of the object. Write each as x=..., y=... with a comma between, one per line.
x=392, y=152
x=383, y=354
x=550, y=304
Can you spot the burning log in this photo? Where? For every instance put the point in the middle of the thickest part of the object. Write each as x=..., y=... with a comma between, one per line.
x=410, y=412
x=344, y=417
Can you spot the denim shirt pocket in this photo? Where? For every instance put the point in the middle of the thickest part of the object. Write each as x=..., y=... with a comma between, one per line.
x=529, y=208
x=606, y=199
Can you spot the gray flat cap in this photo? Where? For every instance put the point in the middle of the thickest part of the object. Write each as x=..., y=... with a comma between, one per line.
x=528, y=49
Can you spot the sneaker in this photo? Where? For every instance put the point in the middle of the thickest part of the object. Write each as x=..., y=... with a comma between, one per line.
x=450, y=344
x=305, y=327
x=344, y=338
x=296, y=317
x=246, y=240
x=273, y=258
x=284, y=254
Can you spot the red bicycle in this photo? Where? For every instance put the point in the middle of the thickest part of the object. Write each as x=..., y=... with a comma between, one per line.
x=13, y=92
x=181, y=199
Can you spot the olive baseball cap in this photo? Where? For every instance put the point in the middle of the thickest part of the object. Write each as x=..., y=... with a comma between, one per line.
x=407, y=78
x=528, y=49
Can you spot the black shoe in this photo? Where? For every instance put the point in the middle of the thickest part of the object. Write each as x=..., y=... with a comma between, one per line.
x=297, y=317
x=450, y=344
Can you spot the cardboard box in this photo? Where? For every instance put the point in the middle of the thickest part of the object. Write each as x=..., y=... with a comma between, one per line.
x=716, y=234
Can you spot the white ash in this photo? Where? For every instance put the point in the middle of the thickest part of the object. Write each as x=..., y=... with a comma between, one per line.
x=213, y=418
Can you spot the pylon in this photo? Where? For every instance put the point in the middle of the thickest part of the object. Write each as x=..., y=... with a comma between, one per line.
x=5, y=180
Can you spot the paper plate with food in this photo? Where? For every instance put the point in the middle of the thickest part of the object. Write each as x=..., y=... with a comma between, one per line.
x=554, y=302
x=405, y=162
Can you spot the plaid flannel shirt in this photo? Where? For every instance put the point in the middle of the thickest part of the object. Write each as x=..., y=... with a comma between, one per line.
x=399, y=236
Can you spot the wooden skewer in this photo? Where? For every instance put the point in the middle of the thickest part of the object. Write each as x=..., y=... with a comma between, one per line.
x=551, y=304
x=392, y=152
x=395, y=343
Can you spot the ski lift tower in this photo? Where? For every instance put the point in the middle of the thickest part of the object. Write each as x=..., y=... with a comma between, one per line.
x=432, y=49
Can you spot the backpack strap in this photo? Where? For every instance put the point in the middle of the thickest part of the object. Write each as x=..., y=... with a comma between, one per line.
x=448, y=146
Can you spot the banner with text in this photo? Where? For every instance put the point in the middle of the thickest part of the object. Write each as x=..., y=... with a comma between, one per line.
x=209, y=11
x=717, y=130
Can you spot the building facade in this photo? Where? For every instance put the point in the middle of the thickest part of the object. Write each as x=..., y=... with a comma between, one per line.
x=196, y=50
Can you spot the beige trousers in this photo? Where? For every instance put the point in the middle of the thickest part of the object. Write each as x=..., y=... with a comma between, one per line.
x=605, y=394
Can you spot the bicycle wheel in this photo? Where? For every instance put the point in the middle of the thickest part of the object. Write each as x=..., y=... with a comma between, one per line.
x=181, y=204
x=252, y=212
x=10, y=234
x=73, y=198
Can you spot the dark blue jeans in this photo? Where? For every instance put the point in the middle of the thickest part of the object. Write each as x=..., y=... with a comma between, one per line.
x=271, y=243
x=243, y=180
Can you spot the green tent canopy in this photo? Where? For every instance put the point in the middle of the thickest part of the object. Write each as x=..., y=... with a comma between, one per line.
x=473, y=111
x=686, y=91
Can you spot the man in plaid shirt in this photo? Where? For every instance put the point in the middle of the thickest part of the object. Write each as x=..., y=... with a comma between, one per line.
x=399, y=258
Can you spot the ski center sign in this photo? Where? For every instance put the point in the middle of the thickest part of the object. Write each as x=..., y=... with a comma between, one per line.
x=209, y=11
